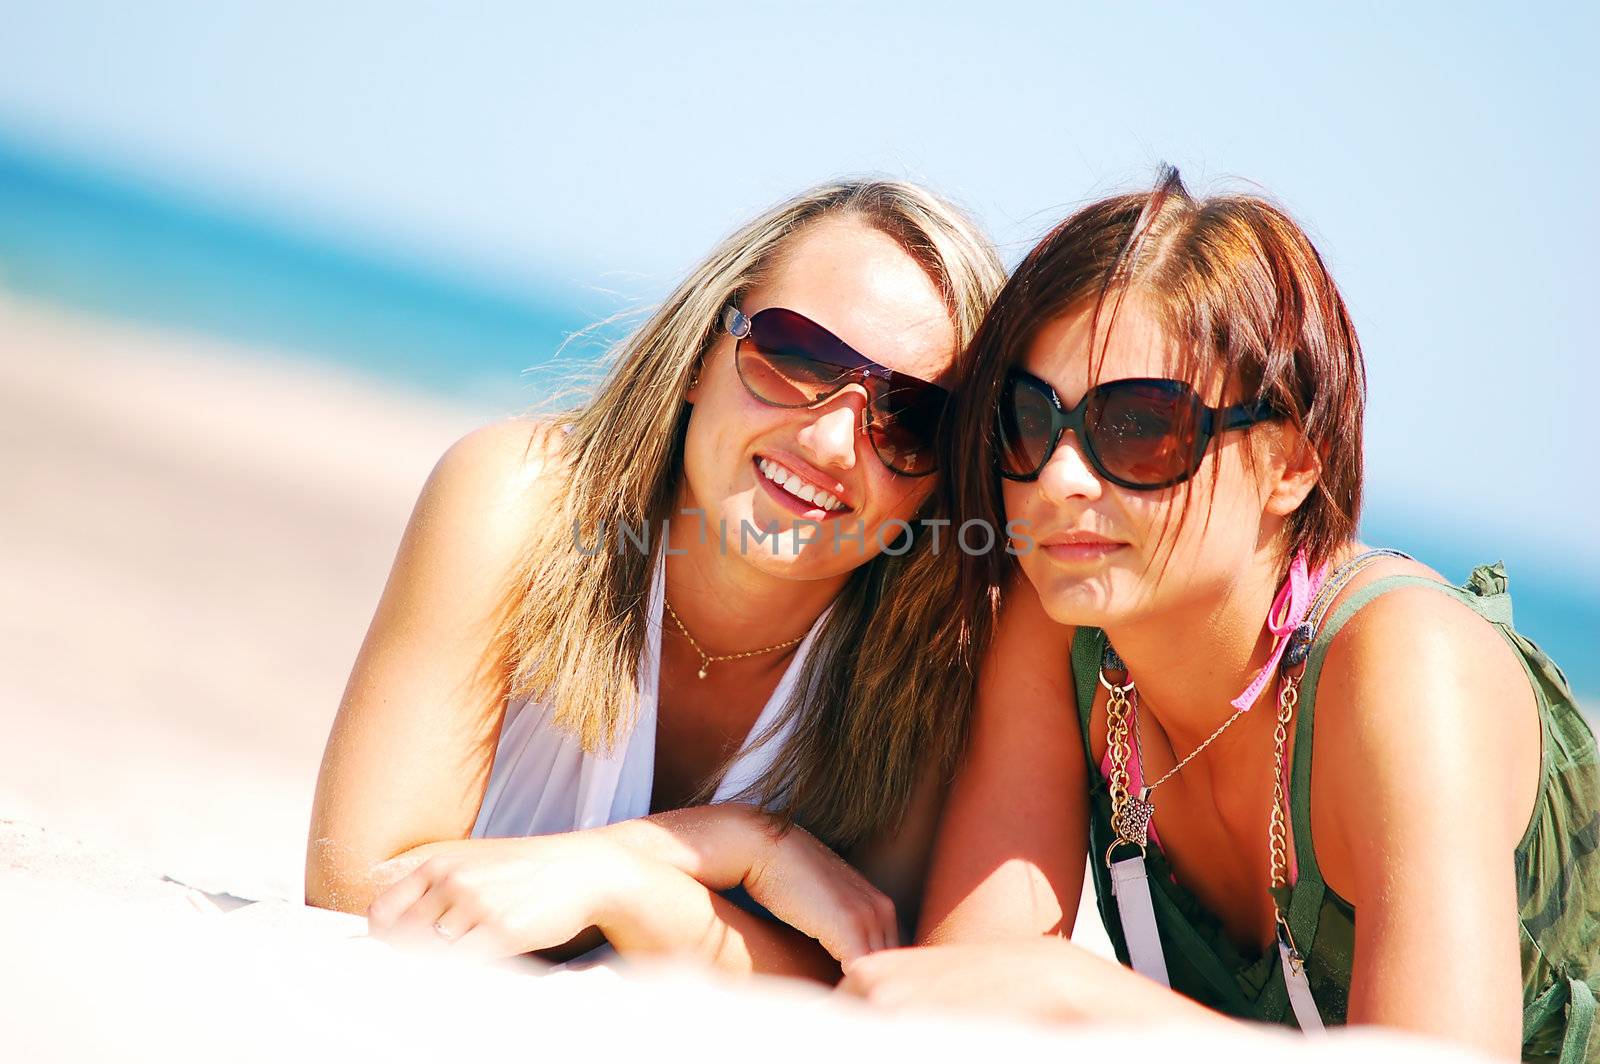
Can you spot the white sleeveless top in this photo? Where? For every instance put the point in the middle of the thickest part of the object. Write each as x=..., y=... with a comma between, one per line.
x=543, y=782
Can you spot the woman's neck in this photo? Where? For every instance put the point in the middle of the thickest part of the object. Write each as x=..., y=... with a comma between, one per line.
x=1189, y=663
x=731, y=606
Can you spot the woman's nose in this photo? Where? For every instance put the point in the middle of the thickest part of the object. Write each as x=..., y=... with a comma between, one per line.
x=831, y=434
x=1068, y=474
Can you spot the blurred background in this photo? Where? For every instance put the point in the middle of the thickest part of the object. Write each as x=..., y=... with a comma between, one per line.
x=260, y=263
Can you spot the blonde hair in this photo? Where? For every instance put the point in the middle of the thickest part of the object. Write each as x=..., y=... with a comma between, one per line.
x=886, y=689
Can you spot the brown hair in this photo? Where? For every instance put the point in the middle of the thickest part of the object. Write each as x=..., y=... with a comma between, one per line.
x=884, y=693
x=1239, y=287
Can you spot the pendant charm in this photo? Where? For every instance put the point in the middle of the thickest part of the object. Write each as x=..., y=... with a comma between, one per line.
x=1299, y=647
x=702, y=672
x=1132, y=821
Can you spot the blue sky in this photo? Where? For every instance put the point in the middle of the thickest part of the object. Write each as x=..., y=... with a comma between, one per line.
x=1441, y=156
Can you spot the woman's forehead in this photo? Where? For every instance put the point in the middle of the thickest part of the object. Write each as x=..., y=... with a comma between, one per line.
x=862, y=286
x=1073, y=348
x=1127, y=341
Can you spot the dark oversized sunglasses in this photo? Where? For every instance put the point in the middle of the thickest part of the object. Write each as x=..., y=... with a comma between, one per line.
x=1143, y=433
x=786, y=359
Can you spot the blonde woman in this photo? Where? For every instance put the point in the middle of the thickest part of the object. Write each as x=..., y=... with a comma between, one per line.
x=619, y=651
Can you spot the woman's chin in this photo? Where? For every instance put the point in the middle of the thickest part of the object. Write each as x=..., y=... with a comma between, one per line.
x=1078, y=601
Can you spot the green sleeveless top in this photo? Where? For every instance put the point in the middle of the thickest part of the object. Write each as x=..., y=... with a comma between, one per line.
x=1557, y=863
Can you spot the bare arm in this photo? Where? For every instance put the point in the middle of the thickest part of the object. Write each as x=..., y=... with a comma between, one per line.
x=560, y=894
x=1428, y=755
x=409, y=754
x=411, y=748
x=1009, y=857
x=793, y=875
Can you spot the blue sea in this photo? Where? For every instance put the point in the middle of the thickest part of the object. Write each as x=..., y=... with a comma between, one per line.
x=87, y=236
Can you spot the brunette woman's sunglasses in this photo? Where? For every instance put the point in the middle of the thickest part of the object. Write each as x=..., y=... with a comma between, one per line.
x=786, y=359
x=1143, y=434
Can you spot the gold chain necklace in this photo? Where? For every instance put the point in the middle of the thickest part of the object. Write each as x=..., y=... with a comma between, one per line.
x=1131, y=813
x=707, y=659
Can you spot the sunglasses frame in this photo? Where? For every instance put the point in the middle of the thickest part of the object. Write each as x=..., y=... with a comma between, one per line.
x=1209, y=422
x=855, y=368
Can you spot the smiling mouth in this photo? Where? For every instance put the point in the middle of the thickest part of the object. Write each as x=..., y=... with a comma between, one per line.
x=789, y=488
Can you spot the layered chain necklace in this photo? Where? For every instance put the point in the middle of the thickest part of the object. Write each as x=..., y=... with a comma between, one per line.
x=1293, y=621
x=707, y=659
x=1131, y=813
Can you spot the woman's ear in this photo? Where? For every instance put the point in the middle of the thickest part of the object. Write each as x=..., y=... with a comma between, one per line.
x=692, y=392
x=1293, y=471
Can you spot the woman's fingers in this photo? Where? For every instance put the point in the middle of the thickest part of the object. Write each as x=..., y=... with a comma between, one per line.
x=806, y=884
x=453, y=927
x=850, y=946
x=865, y=924
x=864, y=977
x=878, y=913
x=415, y=927
x=480, y=942
x=421, y=911
x=891, y=921
x=390, y=905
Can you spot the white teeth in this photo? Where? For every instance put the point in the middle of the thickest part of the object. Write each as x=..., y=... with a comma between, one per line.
x=795, y=486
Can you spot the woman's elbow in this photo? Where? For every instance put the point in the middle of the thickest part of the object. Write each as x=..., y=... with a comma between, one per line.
x=332, y=880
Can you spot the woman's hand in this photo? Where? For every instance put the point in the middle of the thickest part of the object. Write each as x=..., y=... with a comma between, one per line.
x=504, y=897
x=1036, y=978
x=814, y=890
x=793, y=875
x=1026, y=978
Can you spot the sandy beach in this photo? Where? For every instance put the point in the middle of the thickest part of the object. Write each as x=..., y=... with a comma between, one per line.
x=191, y=544
x=192, y=540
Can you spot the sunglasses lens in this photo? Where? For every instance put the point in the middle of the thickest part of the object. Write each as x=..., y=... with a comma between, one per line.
x=788, y=360
x=783, y=362
x=1143, y=432
x=902, y=427
x=1026, y=428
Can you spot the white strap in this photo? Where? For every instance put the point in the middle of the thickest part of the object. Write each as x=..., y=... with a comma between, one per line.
x=1130, y=884
x=1294, y=977
x=616, y=785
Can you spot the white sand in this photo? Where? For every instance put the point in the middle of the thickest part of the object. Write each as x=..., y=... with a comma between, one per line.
x=190, y=549
x=101, y=964
x=191, y=545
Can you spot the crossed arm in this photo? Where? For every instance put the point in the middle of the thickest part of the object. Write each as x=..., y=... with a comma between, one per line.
x=413, y=742
x=648, y=886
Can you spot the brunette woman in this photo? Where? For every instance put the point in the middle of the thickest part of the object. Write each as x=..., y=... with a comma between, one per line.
x=1169, y=394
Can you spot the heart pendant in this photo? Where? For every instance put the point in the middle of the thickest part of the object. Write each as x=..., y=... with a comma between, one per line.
x=1132, y=821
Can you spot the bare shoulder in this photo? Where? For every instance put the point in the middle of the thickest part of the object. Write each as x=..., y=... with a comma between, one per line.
x=413, y=741
x=488, y=486
x=505, y=458
x=1423, y=711
x=1424, y=640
